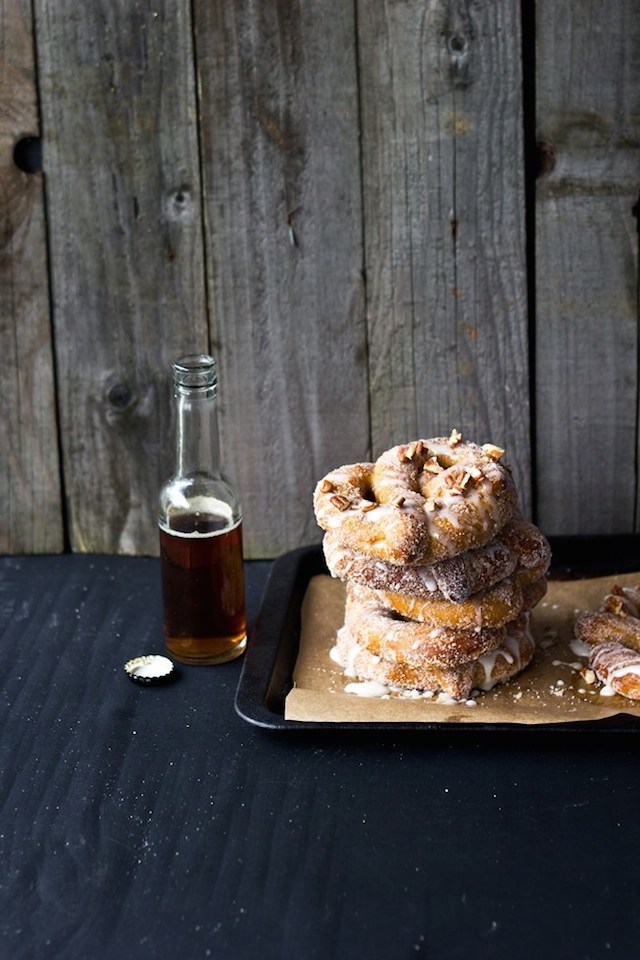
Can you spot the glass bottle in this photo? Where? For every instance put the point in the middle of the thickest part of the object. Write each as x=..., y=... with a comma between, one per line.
x=200, y=525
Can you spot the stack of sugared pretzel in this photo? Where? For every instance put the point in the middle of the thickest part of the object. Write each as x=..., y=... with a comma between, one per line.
x=441, y=570
x=613, y=634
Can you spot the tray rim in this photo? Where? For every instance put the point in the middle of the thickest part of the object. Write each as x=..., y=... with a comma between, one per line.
x=259, y=697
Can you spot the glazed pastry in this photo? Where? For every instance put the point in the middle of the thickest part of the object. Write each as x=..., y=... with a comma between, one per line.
x=518, y=546
x=485, y=672
x=613, y=633
x=418, y=503
x=440, y=567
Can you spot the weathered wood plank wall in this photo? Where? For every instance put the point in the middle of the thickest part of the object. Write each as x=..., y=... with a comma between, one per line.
x=330, y=196
x=444, y=223
x=587, y=385
x=118, y=102
x=283, y=214
x=30, y=492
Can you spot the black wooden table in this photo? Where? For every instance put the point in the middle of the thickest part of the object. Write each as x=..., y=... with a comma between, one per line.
x=155, y=822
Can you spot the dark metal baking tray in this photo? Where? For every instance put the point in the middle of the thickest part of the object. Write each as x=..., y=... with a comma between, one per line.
x=270, y=657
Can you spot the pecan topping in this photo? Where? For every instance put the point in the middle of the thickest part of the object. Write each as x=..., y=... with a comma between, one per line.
x=340, y=502
x=408, y=452
x=432, y=465
x=454, y=478
x=491, y=451
x=326, y=486
x=614, y=604
x=411, y=450
x=398, y=502
x=366, y=505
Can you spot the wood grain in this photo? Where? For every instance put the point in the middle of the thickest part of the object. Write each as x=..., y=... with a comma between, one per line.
x=586, y=266
x=31, y=518
x=119, y=113
x=280, y=148
x=330, y=197
x=444, y=223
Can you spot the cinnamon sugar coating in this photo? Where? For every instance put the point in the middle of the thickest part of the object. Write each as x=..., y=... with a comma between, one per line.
x=619, y=667
x=601, y=627
x=613, y=633
x=418, y=503
x=498, y=666
x=518, y=546
x=441, y=570
x=386, y=633
x=491, y=607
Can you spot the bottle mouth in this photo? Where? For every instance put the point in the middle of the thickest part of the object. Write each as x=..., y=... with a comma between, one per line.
x=195, y=374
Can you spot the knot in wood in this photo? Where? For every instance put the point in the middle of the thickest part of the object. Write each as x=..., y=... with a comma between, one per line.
x=27, y=154
x=178, y=206
x=120, y=396
x=459, y=58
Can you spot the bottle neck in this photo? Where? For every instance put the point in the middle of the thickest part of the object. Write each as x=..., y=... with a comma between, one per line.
x=197, y=437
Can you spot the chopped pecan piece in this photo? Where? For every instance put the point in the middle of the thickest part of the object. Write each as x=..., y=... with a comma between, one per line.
x=432, y=465
x=340, y=502
x=493, y=452
x=455, y=478
x=587, y=675
x=614, y=604
x=326, y=486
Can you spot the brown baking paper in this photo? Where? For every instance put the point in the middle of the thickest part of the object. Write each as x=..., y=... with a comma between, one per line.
x=550, y=690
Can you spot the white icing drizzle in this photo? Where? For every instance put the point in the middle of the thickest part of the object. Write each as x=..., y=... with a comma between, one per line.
x=427, y=578
x=510, y=651
x=488, y=662
x=348, y=664
x=367, y=688
x=622, y=671
x=335, y=656
x=580, y=648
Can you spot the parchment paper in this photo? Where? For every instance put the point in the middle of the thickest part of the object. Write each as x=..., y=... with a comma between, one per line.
x=551, y=690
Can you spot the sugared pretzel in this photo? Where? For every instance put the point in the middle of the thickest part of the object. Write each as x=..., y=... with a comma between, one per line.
x=618, y=667
x=613, y=633
x=488, y=608
x=385, y=633
x=420, y=502
x=498, y=666
x=519, y=546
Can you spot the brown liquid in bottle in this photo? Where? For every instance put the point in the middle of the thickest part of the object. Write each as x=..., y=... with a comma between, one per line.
x=203, y=589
